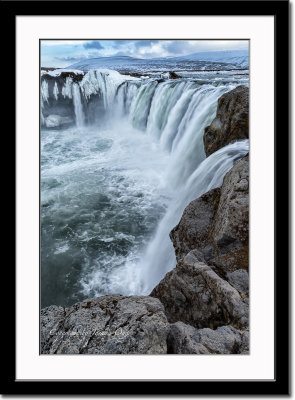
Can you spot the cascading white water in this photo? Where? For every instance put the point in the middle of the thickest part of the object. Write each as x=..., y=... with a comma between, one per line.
x=103, y=81
x=140, y=105
x=188, y=140
x=146, y=160
x=160, y=257
x=80, y=120
x=55, y=91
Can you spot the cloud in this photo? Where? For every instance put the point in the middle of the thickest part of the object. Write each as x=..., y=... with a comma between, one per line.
x=66, y=52
x=119, y=42
x=177, y=47
x=144, y=43
x=93, y=45
x=69, y=59
x=48, y=42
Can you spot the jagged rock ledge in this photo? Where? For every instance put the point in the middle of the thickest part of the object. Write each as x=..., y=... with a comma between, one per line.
x=61, y=78
x=202, y=305
x=231, y=122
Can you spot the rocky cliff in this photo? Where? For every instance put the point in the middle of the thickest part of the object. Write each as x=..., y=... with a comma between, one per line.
x=216, y=224
x=202, y=305
x=231, y=122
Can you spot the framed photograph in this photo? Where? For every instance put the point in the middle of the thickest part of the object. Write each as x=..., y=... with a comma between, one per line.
x=151, y=220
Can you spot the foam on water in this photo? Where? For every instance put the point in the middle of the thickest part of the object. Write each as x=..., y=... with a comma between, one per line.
x=102, y=194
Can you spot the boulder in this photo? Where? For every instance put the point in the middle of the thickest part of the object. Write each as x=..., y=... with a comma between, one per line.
x=170, y=75
x=194, y=294
x=112, y=324
x=231, y=122
x=185, y=339
x=216, y=224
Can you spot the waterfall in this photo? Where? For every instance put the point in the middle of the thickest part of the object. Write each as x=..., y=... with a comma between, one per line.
x=44, y=92
x=78, y=106
x=55, y=91
x=155, y=125
x=126, y=94
x=140, y=105
x=105, y=82
x=67, y=88
x=164, y=99
x=159, y=257
x=175, y=114
x=188, y=139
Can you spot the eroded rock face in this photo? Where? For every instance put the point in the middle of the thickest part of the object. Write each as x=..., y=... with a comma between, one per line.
x=194, y=228
x=185, y=339
x=217, y=223
x=194, y=294
x=231, y=224
x=106, y=325
x=231, y=122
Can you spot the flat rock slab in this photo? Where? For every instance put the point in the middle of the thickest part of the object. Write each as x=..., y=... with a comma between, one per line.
x=112, y=324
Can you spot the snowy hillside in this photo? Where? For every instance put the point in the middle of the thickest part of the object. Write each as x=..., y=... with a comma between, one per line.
x=217, y=60
x=238, y=57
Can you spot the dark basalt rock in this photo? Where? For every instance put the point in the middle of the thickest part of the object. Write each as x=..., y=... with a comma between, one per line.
x=48, y=69
x=231, y=122
x=134, y=74
x=61, y=78
x=173, y=75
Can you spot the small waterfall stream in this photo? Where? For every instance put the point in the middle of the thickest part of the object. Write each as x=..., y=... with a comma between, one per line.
x=80, y=121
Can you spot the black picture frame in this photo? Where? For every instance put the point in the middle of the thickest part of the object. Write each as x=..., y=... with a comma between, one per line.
x=281, y=384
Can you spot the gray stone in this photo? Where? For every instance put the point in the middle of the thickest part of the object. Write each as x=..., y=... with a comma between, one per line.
x=112, y=324
x=216, y=224
x=185, y=339
x=239, y=279
x=207, y=300
x=193, y=230
x=231, y=122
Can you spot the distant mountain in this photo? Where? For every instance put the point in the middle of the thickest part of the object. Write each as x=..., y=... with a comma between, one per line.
x=237, y=57
x=213, y=60
x=101, y=62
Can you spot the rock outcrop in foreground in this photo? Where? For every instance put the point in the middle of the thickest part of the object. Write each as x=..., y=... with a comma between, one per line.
x=111, y=324
x=202, y=305
x=231, y=122
x=194, y=294
x=184, y=339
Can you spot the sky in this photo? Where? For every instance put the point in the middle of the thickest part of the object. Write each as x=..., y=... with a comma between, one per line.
x=62, y=53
